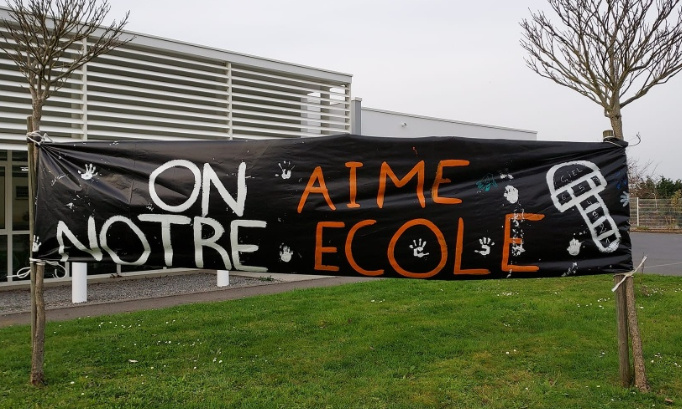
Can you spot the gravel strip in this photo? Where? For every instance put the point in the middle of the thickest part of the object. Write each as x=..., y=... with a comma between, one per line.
x=122, y=289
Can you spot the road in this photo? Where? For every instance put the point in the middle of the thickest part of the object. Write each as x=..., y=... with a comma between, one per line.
x=663, y=251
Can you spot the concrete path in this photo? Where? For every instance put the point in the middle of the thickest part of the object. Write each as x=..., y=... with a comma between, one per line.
x=286, y=282
x=663, y=252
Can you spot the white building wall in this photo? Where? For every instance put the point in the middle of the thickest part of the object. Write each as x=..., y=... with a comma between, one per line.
x=375, y=122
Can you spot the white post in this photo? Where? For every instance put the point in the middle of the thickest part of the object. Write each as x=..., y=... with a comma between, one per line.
x=79, y=283
x=223, y=278
x=638, y=211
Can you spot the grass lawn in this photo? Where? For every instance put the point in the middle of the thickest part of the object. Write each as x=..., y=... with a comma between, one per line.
x=540, y=343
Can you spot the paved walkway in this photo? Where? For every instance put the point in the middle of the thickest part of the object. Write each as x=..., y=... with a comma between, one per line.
x=662, y=251
x=284, y=282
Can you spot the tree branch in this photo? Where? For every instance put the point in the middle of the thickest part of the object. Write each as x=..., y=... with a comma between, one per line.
x=610, y=51
x=50, y=40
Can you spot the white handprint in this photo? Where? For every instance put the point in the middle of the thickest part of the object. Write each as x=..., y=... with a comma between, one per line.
x=574, y=247
x=625, y=198
x=418, y=248
x=286, y=168
x=485, y=242
x=89, y=172
x=511, y=194
x=285, y=253
x=517, y=249
x=36, y=244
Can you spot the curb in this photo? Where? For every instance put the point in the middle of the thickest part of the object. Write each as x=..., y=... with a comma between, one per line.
x=220, y=294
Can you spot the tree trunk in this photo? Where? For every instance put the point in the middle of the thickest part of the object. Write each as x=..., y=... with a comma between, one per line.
x=616, y=122
x=37, y=116
x=31, y=175
x=38, y=355
x=637, y=354
x=37, y=275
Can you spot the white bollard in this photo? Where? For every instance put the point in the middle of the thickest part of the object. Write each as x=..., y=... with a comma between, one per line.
x=223, y=278
x=79, y=283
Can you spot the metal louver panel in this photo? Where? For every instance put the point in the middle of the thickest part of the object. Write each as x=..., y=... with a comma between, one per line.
x=159, y=89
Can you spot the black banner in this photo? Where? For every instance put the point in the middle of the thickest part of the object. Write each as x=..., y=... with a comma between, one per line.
x=438, y=207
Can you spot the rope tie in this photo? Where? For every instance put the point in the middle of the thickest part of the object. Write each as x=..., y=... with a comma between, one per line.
x=39, y=261
x=630, y=274
x=37, y=137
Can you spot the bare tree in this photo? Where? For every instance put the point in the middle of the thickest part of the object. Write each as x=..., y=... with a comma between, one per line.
x=48, y=40
x=611, y=51
x=641, y=178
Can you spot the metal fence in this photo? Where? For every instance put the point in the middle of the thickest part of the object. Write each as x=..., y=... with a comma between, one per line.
x=656, y=214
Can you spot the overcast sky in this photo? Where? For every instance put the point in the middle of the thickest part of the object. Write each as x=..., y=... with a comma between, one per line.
x=454, y=59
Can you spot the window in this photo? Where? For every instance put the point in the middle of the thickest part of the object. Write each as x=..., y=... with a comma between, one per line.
x=21, y=252
x=3, y=258
x=2, y=196
x=20, y=218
